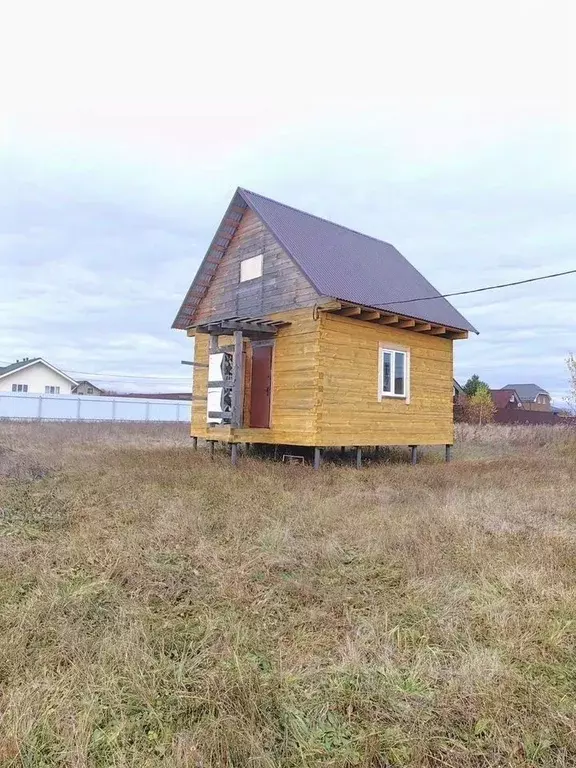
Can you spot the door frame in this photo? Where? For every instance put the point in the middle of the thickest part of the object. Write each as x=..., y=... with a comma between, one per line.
x=266, y=343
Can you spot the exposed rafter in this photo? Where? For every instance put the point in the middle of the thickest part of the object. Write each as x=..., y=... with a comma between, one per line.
x=381, y=317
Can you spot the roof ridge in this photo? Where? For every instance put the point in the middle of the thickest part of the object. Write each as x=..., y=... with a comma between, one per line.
x=314, y=216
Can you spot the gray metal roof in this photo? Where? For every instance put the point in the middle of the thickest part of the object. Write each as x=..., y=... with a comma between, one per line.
x=527, y=391
x=17, y=365
x=338, y=262
x=347, y=265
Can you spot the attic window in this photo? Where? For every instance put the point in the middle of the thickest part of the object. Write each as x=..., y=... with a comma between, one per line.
x=251, y=268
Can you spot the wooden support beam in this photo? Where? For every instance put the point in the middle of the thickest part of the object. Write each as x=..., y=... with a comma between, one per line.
x=457, y=334
x=237, y=379
x=413, y=454
x=370, y=316
x=438, y=330
x=350, y=311
x=234, y=325
x=406, y=324
x=328, y=305
x=389, y=320
x=317, y=458
x=211, y=448
x=448, y=452
x=358, y=457
x=219, y=415
x=422, y=327
x=213, y=347
x=195, y=443
x=234, y=454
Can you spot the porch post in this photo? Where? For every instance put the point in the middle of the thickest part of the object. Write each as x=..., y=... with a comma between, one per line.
x=414, y=454
x=237, y=378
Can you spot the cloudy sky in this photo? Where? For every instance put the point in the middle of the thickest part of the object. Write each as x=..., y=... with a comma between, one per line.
x=445, y=128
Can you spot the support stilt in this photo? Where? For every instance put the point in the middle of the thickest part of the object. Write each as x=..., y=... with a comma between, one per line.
x=358, y=457
x=246, y=447
x=342, y=450
x=448, y=452
x=317, y=458
x=414, y=454
x=211, y=448
x=234, y=454
x=275, y=453
x=195, y=443
x=376, y=451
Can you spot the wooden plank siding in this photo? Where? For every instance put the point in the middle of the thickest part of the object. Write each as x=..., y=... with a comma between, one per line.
x=281, y=287
x=350, y=412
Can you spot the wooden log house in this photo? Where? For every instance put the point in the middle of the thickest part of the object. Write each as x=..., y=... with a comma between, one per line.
x=311, y=334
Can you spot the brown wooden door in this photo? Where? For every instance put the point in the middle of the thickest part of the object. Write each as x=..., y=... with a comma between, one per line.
x=261, y=386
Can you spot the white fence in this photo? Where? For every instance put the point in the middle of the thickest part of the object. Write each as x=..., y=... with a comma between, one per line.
x=86, y=408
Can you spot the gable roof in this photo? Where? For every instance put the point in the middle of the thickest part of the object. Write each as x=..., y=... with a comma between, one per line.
x=21, y=364
x=338, y=262
x=88, y=383
x=527, y=391
x=501, y=397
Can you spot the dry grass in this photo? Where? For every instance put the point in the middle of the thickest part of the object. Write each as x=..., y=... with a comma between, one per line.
x=159, y=609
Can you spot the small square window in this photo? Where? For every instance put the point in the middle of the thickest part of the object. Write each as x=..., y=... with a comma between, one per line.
x=251, y=268
x=90, y=391
x=14, y=387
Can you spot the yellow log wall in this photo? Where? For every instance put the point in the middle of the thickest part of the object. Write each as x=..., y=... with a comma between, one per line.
x=350, y=412
x=325, y=387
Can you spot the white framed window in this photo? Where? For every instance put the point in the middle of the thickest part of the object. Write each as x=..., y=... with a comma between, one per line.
x=51, y=390
x=19, y=387
x=251, y=268
x=394, y=379
x=90, y=391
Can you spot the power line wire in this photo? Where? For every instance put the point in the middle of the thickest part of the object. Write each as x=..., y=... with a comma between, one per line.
x=497, y=286
x=479, y=290
x=121, y=375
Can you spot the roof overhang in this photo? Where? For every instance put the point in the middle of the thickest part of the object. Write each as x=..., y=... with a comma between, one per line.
x=391, y=319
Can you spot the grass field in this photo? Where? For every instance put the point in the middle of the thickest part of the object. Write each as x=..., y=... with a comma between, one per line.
x=160, y=609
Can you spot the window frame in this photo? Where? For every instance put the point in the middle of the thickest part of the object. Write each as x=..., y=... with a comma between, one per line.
x=392, y=349
x=20, y=388
x=257, y=259
x=48, y=389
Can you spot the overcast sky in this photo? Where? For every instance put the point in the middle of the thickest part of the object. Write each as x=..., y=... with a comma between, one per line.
x=447, y=131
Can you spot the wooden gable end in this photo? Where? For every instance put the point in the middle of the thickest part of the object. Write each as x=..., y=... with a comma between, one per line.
x=281, y=287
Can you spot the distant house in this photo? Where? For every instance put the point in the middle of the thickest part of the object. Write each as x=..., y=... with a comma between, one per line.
x=35, y=376
x=533, y=397
x=506, y=399
x=457, y=391
x=87, y=388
